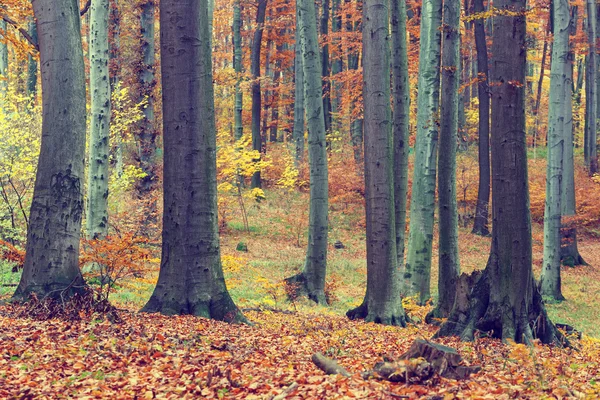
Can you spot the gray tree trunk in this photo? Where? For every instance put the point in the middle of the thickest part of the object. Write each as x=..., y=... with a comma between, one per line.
x=3, y=63
x=560, y=99
x=32, y=65
x=590, y=148
x=400, y=120
x=191, y=276
x=312, y=278
x=97, y=188
x=257, y=141
x=325, y=67
x=51, y=265
x=237, y=66
x=449, y=265
x=505, y=301
x=298, y=133
x=382, y=303
x=417, y=273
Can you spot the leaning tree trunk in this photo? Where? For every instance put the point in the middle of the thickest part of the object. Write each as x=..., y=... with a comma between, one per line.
x=449, y=266
x=505, y=300
x=237, y=66
x=312, y=279
x=382, y=302
x=51, y=265
x=191, y=276
x=480, y=224
x=261, y=12
x=400, y=120
x=298, y=133
x=590, y=147
x=97, y=188
x=417, y=272
x=560, y=95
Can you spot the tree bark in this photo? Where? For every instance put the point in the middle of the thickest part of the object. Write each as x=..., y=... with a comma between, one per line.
x=257, y=140
x=51, y=265
x=298, y=133
x=505, y=301
x=97, y=187
x=417, y=273
x=325, y=67
x=191, y=276
x=237, y=66
x=590, y=147
x=3, y=63
x=449, y=266
x=480, y=224
x=32, y=65
x=560, y=99
x=382, y=303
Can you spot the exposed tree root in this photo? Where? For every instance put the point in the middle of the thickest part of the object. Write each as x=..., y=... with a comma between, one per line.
x=394, y=318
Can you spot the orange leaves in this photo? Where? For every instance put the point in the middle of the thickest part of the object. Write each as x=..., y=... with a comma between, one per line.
x=10, y=253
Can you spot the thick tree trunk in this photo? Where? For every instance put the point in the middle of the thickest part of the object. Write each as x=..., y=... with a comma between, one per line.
x=505, y=300
x=480, y=225
x=590, y=147
x=560, y=99
x=191, y=277
x=298, y=133
x=312, y=278
x=417, y=273
x=237, y=66
x=449, y=266
x=97, y=187
x=382, y=302
x=51, y=265
x=256, y=92
x=401, y=116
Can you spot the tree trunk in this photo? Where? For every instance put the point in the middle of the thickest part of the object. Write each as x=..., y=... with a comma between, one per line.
x=356, y=126
x=540, y=85
x=480, y=225
x=325, y=68
x=298, y=133
x=3, y=64
x=274, y=127
x=505, y=301
x=97, y=187
x=256, y=92
x=401, y=116
x=382, y=302
x=191, y=277
x=417, y=274
x=114, y=41
x=336, y=65
x=312, y=278
x=32, y=65
x=590, y=151
x=560, y=99
x=449, y=266
x=51, y=265
x=237, y=66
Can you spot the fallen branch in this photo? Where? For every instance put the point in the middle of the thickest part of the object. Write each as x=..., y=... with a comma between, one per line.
x=329, y=366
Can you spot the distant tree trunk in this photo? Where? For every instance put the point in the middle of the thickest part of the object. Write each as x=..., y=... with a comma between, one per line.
x=256, y=92
x=51, y=265
x=191, y=276
x=325, y=67
x=560, y=99
x=505, y=301
x=3, y=62
x=97, y=188
x=114, y=42
x=590, y=150
x=480, y=225
x=237, y=66
x=540, y=85
x=273, y=128
x=298, y=133
x=449, y=265
x=382, y=303
x=312, y=278
x=147, y=131
x=401, y=116
x=336, y=65
x=417, y=273
x=32, y=65
x=356, y=124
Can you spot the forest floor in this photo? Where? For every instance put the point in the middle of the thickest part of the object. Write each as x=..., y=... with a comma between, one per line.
x=154, y=356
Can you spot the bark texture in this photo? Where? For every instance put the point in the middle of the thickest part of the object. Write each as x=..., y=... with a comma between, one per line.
x=237, y=66
x=298, y=133
x=51, y=265
x=257, y=141
x=382, y=302
x=590, y=145
x=191, y=276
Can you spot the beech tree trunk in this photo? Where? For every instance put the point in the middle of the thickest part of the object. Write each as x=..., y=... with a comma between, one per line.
x=312, y=278
x=590, y=147
x=256, y=92
x=417, y=273
x=97, y=187
x=505, y=301
x=560, y=99
x=382, y=302
x=3, y=63
x=32, y=65
x=237, y=66
x=449, y=266
x=480, y=224
x=191, y=277
x=325, y=68
x=298, y=133
x=51, y=265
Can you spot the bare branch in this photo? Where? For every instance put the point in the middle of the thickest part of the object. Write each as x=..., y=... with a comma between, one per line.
x=22, y=30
